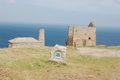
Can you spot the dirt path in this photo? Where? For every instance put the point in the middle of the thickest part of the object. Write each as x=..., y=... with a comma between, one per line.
x=99, y=52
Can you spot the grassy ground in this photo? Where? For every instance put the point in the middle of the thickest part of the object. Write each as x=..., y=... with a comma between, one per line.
x=34, y=64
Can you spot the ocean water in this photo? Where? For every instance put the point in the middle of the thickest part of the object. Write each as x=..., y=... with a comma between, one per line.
x=55, y=34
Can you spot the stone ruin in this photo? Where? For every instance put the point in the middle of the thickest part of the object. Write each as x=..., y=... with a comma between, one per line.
x=28, y=42
x=82, y=36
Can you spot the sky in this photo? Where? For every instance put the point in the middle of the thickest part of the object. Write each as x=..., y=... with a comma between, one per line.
x=102, y=12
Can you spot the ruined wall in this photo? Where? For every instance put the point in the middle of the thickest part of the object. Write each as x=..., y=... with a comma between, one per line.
x=70, y=35
x=22, y=44
x=79, y=36
x=84, y=36
x=25, y=45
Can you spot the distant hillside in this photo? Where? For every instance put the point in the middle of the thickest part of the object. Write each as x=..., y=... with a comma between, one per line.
x=34, y=64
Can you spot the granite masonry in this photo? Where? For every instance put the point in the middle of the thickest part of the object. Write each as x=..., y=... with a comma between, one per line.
x=28, y=42
x=82, y=36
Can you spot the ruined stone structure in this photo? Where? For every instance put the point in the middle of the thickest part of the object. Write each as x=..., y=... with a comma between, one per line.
x=27, y=42
x=80, y=36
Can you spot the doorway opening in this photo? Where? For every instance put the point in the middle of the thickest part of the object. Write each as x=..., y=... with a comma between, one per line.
x=84, y=42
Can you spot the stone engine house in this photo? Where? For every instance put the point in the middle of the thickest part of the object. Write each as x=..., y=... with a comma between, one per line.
x=82, y=36
x=28, y=42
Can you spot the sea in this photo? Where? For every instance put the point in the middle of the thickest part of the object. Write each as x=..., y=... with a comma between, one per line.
x=55, y=34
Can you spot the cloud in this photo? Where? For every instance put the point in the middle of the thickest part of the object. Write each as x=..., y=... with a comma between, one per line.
x=12, y=1
x=104, y=12
x=117, y=1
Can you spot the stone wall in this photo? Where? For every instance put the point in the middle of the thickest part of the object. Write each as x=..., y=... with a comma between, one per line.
x=24, y=45
x=70, y=35
x=79, y=36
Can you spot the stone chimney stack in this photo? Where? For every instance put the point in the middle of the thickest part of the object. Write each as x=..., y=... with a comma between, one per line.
x=42, y=36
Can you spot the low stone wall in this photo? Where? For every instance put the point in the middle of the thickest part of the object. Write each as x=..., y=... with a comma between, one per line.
x=25, y=45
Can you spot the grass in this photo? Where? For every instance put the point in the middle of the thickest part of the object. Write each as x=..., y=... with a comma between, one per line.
x=34, y=64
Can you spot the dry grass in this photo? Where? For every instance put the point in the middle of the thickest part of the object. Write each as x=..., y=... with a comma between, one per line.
x=34, y=64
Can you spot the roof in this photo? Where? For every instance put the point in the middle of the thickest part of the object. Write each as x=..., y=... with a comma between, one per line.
x=23, y=39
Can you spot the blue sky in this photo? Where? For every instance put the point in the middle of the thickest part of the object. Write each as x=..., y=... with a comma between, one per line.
x=103, y=12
